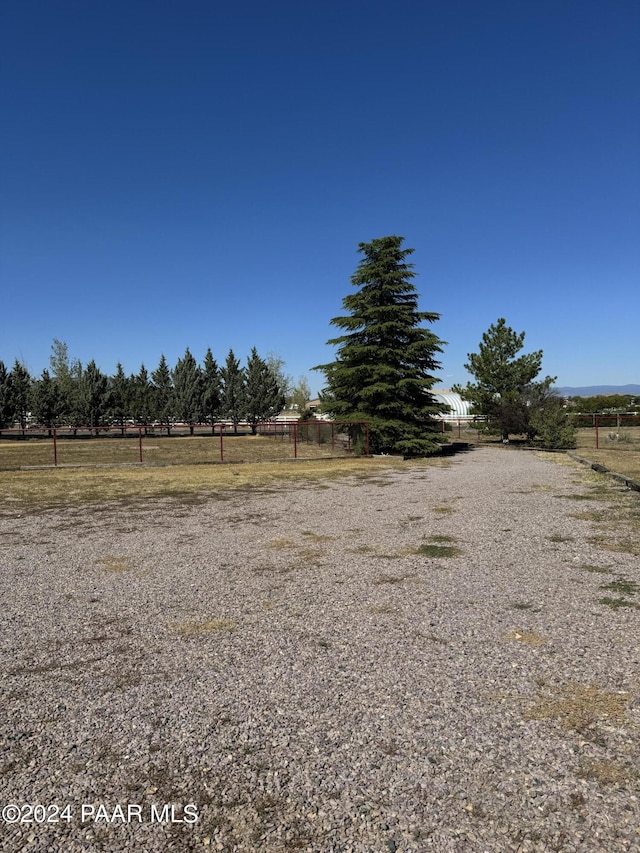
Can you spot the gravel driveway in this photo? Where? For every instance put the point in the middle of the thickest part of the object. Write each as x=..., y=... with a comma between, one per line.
x=413, y=662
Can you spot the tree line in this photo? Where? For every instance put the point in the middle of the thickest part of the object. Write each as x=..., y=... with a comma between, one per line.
x=72, y=394
x=383, y=374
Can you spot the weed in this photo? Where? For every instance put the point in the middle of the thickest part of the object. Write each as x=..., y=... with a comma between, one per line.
x=526, y=638
x=622, y=544
x=616, y=603
x=443, y=510
x=559, y=537
x=600, y=569
x=115, y=564
x=281, y=543
x=579, y=707
x=362, y=549
x=577, y=497
x=604, y=772
x=381, y=609
x=597, y=515
x=428, y=549
x=316, y=537
x=623, y=586
x=381, y=579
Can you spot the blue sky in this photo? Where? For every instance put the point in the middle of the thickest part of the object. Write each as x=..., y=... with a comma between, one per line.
x=200, y=174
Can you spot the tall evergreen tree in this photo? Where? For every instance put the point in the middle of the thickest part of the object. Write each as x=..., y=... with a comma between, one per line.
x=233, y=390
x=94, y=396
x=45, y=400
x=163, y=396
x=19, y=393
x=187, y=390
x=383, y=371
x=66, y=382
x=142, y=404
x=119, y=397
x=6, y=412
x=263, y=397
x=211, y=389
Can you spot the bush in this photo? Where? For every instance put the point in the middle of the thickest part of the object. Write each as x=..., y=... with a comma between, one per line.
x=553, y=429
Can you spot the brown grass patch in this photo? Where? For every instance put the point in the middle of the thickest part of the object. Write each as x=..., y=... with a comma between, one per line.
x=605, y=772
x=579, y=707
x=281, y=543
x=527, y=638
x=115, y=564
x=53, y=488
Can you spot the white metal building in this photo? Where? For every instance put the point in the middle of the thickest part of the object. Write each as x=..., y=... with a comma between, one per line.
x=458, y=408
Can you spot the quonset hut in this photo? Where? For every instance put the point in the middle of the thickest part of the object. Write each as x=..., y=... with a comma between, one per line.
x=459, y=409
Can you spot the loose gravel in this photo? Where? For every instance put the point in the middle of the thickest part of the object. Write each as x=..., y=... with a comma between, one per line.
x=293, y=669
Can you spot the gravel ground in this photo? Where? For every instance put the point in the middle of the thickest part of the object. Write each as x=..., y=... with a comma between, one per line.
x=286, y=667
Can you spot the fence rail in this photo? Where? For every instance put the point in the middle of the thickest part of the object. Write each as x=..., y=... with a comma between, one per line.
x=295, y=435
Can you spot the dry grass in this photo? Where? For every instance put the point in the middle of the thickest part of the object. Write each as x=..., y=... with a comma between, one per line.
x=579, y=707
x=175, y=450
x=605, y=772
x=115, y=564
x=37, y=490
x=619, y=455
x=618, y=520
x=527, y=638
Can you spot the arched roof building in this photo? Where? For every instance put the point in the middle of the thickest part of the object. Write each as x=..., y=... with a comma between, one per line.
x=458, y=408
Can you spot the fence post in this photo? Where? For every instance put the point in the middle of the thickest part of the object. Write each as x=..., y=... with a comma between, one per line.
x=295, y=441
x=55, y=448
x=595, y=420
x=221, y=448
x=140, y=442
x=366, y=438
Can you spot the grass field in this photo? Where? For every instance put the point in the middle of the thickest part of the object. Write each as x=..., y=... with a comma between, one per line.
x=177, y=450
x=45, y=488
x=619, y=450
x=183, y=470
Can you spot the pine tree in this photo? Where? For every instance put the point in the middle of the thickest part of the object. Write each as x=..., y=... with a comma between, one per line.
x=233, y=390
x=120, y=397
x=163, y=396
x=211, y=388
x=504, y=391
x=6, y=413
x=64, y=381
x=142, y=402
x=45, y=400
x=383, y=371
x=94, y=395
x=19, y=393
x=187, y=390
x=263, y=397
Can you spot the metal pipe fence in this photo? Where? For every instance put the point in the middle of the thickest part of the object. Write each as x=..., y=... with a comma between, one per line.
x=133, y=443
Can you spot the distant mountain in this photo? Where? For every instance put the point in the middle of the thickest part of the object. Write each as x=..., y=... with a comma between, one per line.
x=596, y=390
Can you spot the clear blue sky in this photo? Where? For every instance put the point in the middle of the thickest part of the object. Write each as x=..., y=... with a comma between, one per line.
x=200, y=174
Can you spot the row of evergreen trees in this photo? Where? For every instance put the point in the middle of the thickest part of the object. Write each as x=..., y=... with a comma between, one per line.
x=73, y=395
